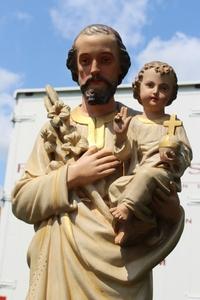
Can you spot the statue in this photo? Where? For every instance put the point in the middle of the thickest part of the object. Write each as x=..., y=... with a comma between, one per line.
x=73, y=254
x=163, y=151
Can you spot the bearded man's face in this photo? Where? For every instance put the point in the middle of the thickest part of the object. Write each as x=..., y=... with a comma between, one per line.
x=98, y=67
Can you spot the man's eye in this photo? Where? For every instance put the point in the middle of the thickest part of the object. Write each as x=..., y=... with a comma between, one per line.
x=106, y=60
x=84, y=61
x=164, y=88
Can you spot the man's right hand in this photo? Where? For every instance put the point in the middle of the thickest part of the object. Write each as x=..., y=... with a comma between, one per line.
x=91, y=166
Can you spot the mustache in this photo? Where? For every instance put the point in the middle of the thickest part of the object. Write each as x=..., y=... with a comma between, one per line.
x=93, y=78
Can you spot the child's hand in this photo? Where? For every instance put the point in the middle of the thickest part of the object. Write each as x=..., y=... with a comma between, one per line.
x=120, y=124
x=167, y=155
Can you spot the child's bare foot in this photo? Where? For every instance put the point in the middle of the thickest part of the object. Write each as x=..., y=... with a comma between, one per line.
x=120, y=212
x=122, y=234
x=120, y=237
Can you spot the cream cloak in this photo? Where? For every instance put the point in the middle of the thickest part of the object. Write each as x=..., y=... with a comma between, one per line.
x=72, y=255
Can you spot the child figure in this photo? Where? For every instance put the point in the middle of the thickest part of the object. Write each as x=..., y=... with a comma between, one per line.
x=157, y=141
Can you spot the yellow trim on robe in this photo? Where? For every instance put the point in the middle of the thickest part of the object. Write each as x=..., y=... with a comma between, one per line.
x=96, y=126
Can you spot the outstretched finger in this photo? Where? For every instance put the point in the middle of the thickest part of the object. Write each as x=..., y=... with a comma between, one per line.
x=127, y=121
x=106, y=172
x=124, y=112
x=104, y=152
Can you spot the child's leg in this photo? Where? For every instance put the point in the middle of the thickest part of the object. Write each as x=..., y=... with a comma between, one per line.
x=117, y=188
x=135, y=200
x=139, y=191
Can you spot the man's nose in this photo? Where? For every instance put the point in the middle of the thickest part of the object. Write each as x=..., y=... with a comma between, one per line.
x=94, y=68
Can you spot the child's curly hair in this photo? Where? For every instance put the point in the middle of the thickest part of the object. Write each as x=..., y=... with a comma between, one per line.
x=159, y=67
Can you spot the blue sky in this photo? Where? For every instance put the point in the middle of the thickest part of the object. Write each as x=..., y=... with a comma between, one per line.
x=36, y=35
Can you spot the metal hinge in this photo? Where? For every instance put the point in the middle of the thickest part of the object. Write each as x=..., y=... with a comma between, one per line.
x=193, y=201
x=23, y=118
x=195, y=113
x=8, y=284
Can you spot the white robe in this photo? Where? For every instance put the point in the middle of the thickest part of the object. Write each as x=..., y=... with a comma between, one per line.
x=72, y=255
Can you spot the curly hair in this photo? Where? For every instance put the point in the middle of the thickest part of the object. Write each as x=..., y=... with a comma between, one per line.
x=93, y=29
x=159, y=67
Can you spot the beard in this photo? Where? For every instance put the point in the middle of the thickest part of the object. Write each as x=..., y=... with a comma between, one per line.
x=100, y=96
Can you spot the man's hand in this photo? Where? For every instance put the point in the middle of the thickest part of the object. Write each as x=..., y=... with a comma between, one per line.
x=120, y=125
x=93, y=165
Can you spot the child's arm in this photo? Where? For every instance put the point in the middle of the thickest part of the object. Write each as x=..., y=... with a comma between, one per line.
x=176, y=150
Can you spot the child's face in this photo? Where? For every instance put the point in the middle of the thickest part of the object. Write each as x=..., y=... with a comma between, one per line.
x=155, y=90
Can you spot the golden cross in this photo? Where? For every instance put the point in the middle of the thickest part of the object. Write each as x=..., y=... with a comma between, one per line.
x=172, y=123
